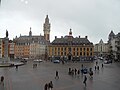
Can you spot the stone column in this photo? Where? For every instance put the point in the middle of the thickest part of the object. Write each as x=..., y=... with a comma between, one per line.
x=6, y=49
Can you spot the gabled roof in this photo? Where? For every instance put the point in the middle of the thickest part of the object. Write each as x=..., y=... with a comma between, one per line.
x=31, y=39
x=101, y=41
x=71, y=40
x=111, y=34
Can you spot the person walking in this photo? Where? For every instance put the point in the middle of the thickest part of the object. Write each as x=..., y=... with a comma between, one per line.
x=85, y=79
x=91, y=74
x=46, y=87
x=63, y=62
x=96, y=63
x=75, y=71
x=69, y=72
x=16, y=67
x=102, y=65
x=50, y=85
x=78, y=72
x=98, y=68
x=82, y=66
x=56, y=75
x=2, y=83
x=95, y=68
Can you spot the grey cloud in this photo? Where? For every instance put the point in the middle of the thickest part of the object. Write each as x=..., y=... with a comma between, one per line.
x=94, y=18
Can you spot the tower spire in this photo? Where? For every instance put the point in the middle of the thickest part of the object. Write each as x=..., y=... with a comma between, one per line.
x=30, y=33
x=70, y=33
x=46, y=29
x=46, y=19
x=6, y=33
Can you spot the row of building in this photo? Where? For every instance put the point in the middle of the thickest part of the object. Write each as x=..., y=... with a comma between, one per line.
x=27, y=46
x=66, y=47
x=111, y=49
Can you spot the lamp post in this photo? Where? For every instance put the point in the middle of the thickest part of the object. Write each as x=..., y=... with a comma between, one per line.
x=6, y=49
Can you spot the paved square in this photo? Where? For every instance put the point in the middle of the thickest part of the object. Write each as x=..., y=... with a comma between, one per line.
x=29, y=78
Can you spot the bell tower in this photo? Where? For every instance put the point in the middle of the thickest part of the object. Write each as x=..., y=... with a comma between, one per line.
x=30, y=33
x=46, y=29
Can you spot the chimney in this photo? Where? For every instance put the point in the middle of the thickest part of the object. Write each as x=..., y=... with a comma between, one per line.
x=86, y=36
x=55, y=37
x=79, y=36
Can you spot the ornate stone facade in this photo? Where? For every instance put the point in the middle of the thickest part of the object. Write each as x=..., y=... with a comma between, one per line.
x=33, y=46
x=71, y=48
x=1, y=48
x=101, y=49
x=114, y=45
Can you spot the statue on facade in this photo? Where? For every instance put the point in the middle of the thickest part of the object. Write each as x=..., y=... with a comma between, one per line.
x=6, y=33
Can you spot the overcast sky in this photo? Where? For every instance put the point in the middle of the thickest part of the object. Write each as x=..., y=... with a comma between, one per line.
x=92, y=18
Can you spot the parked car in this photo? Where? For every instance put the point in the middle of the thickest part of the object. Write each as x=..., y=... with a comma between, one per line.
x=56, y=61
x=101, y=58
x=23, y=60
x=107, y=61
x=38, y=60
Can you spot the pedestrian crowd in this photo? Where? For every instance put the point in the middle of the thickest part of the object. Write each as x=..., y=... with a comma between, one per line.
x=48, y=86
x=84, y=71
x=34, y=65
x=74, y=71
